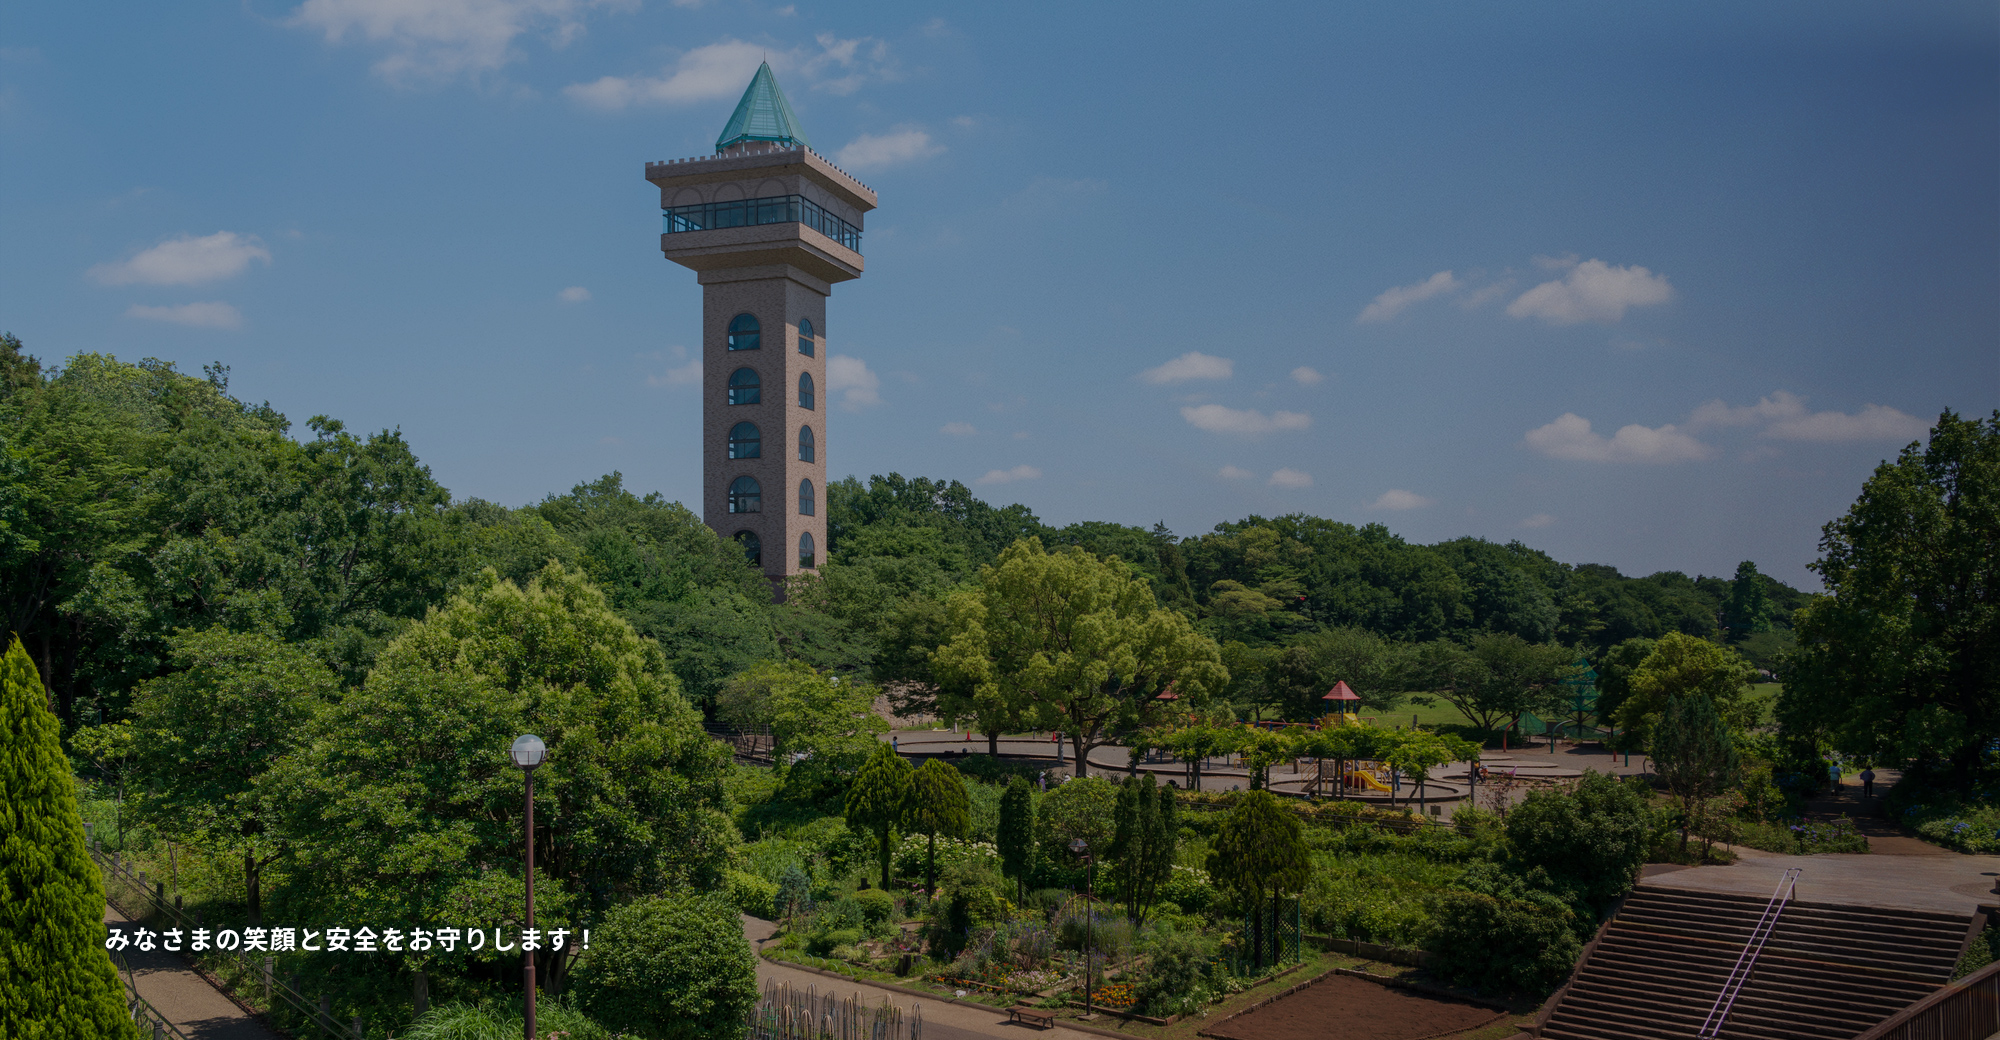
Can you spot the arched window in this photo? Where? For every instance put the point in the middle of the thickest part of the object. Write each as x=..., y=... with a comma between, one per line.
x=805, y=444
x=745, y=442
x=743, y=334
x=805, y=389
x=752, y=548
x=806, y=550
x=743, y=387
x=745, y=496
x=806, y=345
x=806, y=498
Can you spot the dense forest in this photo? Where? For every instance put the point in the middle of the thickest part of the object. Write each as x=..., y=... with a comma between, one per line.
x=137, y=501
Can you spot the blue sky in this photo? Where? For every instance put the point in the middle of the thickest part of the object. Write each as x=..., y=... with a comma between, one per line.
x=1647, y=285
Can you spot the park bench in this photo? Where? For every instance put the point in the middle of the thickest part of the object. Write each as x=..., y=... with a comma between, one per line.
x=1031, y=1016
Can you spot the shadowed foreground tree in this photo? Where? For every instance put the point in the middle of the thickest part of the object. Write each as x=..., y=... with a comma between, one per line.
x=1693, y=753
x=875, y=799
x=1259, y=854
x=56, y=981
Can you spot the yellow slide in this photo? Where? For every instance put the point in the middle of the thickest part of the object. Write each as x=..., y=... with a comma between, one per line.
x=1358, y=778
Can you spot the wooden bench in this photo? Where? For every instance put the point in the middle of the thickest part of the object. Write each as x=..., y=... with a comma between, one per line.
x=1032, y=1016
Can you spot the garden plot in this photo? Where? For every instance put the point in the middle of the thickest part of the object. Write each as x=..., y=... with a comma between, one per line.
x=1342, y=1007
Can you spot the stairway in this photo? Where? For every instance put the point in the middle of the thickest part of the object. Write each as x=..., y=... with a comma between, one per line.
x=1827, y=972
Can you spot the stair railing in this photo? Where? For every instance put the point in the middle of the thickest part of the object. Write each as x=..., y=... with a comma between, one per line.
x=1725, y=1001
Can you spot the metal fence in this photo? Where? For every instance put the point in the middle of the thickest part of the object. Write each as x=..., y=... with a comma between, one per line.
x=250, y=980
x=788, y=1013
x=1968, y=1009
x=151, y=1023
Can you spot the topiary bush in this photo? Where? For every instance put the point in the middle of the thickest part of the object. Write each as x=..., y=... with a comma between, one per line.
x=878, y=909
x=670, y=967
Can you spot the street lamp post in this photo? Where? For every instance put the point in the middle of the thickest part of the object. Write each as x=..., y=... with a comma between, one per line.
x=528, y=752
x=1081, y=848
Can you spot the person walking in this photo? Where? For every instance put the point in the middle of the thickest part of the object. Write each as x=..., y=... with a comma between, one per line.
x=1868, y=782
x=1833, y=777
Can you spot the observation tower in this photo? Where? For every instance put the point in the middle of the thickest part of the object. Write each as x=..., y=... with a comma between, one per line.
x=768, y=226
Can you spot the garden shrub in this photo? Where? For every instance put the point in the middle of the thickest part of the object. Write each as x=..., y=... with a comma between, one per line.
x=1592, y=840
x=457, y=1021
x=822, y=944
x=971, y=896
x=878, y=908
x=1978, y=954
x=1189, y=889
x=670, y=967
x=752, y=895
x=1497, y=945
x=1048, y=900
x=1178, y=970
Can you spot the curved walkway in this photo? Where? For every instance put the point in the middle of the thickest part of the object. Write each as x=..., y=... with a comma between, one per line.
x=184, y=998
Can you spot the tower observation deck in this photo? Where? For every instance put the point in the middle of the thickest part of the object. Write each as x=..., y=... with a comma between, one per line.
x=768, y=226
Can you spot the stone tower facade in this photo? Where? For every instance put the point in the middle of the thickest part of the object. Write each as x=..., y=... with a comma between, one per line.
x=768, y=226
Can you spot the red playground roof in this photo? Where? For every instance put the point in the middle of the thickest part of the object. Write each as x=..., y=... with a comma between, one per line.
x=1341, y=692
x=1168, y=694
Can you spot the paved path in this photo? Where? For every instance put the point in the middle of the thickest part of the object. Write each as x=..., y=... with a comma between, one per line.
x=943, y=1020
x=185, y=998
x=1951, y=883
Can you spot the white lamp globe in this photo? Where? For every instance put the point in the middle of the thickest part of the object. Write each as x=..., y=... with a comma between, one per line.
x=528, y=751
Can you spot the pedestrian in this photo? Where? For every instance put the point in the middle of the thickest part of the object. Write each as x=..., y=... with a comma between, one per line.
x=1868, y=782
x=895, y=745
x=1057, y=737
x=1833, y=777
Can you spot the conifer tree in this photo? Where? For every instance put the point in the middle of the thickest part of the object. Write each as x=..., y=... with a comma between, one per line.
x=1259, y=855
x=56, y=981
x=937, y=805
x=1017, y=833
x=875, y=799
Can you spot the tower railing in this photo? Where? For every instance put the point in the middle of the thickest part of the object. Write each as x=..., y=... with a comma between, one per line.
x=1746, y=962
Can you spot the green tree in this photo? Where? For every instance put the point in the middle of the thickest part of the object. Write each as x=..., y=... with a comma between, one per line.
x=1682, y=665
x=1016, y=834
x=1260, y=853
x=56, y=981
x=1614, y=675
x=1500, y=944
x=1074, y=641
x=828, y=721
x=670, y=967
x=204, y=734
x=1901, y=659
x=1077, y=809
x=937, y=805
x=1591, y=840
x=876, y=798
x=1749, y=607
x=1694, y=754
x=1417, y=751
x=1498, y=678
x=1143, y=842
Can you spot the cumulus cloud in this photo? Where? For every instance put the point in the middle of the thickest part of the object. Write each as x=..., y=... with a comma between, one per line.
x=1008, y=476
x=442, y=39
x=1570, y=437
x=1192, y=365
x=186, y=260
x=1592, y=291
x=906, y=143
x=958, y=429
x=1291, y=478
x=1216, y=418
x=574, y=294
x=1305, y=376
x=1784, y=416
x=1394, y=300
x=1538, y=520
x=720, y=70
x=1232, y=473
x=850, y=378
x=200, y=315
x=1396, y=498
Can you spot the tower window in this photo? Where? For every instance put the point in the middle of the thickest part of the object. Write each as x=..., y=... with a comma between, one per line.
x=745, y=442
x=806, y=345
x=743, y=334
x=745, y=496
x=753, y=549
x=805, y=444
x=806, y=498
x=743, y=387
x=806, y=556
x=805, y=390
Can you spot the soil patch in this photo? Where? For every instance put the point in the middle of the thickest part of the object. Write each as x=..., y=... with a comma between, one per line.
x=1342, y=1007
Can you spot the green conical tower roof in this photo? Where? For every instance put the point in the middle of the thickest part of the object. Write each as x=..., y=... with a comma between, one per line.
x=762, y=115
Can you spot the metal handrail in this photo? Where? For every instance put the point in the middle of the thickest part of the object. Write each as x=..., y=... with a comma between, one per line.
x=141, y=1009
x=1725, y=1001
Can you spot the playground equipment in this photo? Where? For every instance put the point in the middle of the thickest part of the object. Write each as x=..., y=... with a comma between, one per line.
x=1343, y=700
x=1358, y=778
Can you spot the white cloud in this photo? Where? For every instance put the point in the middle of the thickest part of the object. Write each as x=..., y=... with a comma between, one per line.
x=1538, y=520
x=1787, y=418
x=574, y=294
x=1217, y=419
x=679, y=375
x=1291, y=478
x=1007, y=476
x=875, y=151
x=1232, y=473
x=200, y=315
x=1393, y=301
x=849, y=377
x=1192, y=365
x=1306, y=376
x=1570, y=437
x=186, y=260
x=958, y=429
x=442, y=39
x=1592, y=291
x=718, y=70
x=1395, y=498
